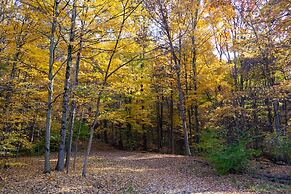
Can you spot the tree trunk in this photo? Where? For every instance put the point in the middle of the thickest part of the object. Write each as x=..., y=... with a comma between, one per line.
x=144, y=137
x=177, y=68
x=194, y=70
x=33, y=127
x=160, y=123
x=277, y=117
x=73, y=104
x=65, y=106
x=255, y=123
x=285, y=111
x=92, y=128
x=47, y=167
x=270, y=117
x=171, y=114
x=183, y=115
x=77, y=140
x=196, y=112
x=158, y=126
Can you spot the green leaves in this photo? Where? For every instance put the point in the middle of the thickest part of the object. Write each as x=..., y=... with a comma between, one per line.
x=226, y=158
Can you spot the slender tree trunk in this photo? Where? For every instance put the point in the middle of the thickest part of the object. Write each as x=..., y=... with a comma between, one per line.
x=65, y=106
x=73, y=104
x=194, y=69
x=120, y=141
x=105, y=134
x=94, y=125
x=255, y=124
x=161, y=122
x=171, y=115
x=196, y=112
x=177, y=68
x=77, y=140
x=144, y=137
x=270, y=117
x=92, y=128
x=183, y=115
x=158, y=125
x=33, y=127
x=277, y=117
x=47, y=167
x=285, y=110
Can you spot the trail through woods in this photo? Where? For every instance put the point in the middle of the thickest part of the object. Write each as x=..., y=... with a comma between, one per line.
x=112, y=171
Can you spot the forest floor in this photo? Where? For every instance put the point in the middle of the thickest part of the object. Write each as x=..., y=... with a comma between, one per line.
x=115, y=171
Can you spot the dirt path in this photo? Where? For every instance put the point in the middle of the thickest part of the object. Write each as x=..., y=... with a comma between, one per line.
x=126, y=172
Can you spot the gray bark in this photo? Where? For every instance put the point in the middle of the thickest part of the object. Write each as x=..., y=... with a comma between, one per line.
x=77, y=140
x=171, y=113
x=74, y=86
x=92, y=128
x=47, y=167
x=65, y=105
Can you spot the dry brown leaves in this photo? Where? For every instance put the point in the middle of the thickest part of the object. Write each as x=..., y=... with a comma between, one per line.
x=125, y=172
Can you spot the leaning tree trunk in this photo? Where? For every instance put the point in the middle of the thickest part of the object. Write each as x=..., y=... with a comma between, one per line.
x=92, y=128
x=47, y=167
x=65, y=106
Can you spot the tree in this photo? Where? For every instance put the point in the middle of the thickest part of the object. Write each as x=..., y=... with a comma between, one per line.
x=160, y=15
x=65, y=105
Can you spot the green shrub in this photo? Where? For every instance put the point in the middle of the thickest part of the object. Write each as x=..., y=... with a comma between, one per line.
x=12, y=143
x=84, y=130
x=226, y=158
x=38, y=147
x=278, y=148
x=231, y=159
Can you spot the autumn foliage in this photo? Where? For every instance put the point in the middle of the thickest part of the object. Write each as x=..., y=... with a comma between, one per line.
x=144, y=75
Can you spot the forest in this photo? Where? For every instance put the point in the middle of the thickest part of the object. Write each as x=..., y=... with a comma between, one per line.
x=145, y=96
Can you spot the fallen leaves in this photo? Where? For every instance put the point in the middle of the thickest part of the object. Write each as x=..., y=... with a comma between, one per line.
x=112, y=171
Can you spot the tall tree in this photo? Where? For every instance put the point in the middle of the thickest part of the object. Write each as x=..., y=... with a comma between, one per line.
x=50, y=85
x=65, y=105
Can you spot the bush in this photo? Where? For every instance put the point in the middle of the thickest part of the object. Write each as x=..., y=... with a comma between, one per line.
x=84, y=130
x=38, y=147
x=277, y=148
x=12, y=143
x=226, y=158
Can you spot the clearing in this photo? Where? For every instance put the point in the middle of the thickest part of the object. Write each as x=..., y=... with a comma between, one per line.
x=115, y=171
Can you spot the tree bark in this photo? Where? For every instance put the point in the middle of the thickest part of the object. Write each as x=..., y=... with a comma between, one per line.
x=255, y=123
x=171, y=114
x=47, y=167
x=159, y=124
x=66, y=97
x=77, y=139
x=92, y=128
x=277, y=117
x=270, y=117
x=194, y=69
x=177, y=68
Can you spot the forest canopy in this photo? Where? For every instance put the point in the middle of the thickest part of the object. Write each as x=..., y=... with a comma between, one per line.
x=193, y=77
